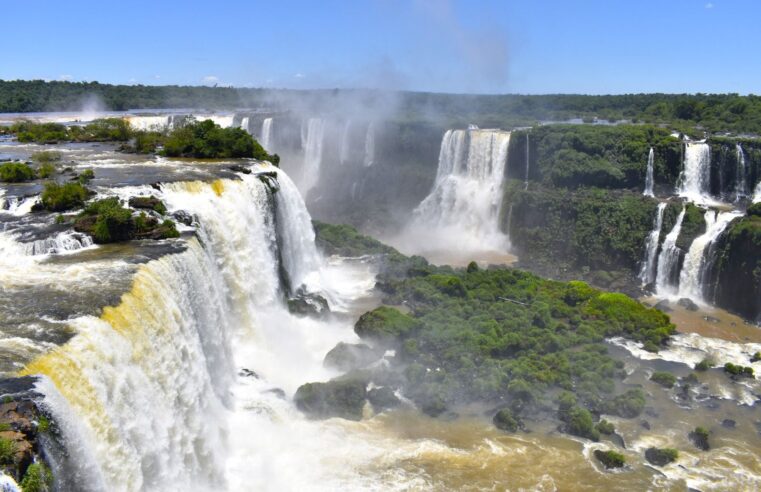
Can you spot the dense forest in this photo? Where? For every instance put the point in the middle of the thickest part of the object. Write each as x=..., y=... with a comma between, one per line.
x=712, y=112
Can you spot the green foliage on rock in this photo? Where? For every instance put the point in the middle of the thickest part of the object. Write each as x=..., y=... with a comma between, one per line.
x=699, y=438
x=60, y=197
x=738, y=371
x=342, y=398
x=7, y=451
x=605, y=427
x=665, y=379
x=661, y=457
x=704, y=365
x=579, y=423
x=107, y=221
x=207, y=140
x=384, y=325
x=15, y=172
x=507, y=421
x=610, y=459
x=38, y=478
x=738, y=267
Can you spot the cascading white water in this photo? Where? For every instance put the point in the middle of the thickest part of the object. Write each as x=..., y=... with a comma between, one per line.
x=244, y=123
x=668, y=258
x=757, y=193
x=648, y=270
x=369, y=145
x=266, y=133
x=149, y=123
x=294, y=227
x=345, y=143
x=696, y=173
x=312, y=142
x=649, y=174
x=741, y=189
x=63, y=242
x=462, y=211
x=692, y=276
x=528, y=149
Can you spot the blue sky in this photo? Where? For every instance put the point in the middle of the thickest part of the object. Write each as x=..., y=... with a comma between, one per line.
x=493, y=46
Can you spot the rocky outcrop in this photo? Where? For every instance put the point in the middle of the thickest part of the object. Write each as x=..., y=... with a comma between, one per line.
x=344, y=398
x=308, y=304
x=661, y=457
x=737, y=285
x=347, y=357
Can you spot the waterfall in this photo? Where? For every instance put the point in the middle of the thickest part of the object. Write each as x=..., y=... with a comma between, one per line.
x=345, y=144
x=696, y=264
x=294, y=227
x=647, y=272
x=525, y=179
x=741, y=189
x=62, y=242
x=312, y=153
x=757, y=193
x=668, y=259
x=696, y=173
x=463, y=209
x=244, y=123
x=649, y=175
x=266, y=134
x=369, y=145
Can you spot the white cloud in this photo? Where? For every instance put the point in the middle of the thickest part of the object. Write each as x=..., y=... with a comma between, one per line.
x=709, y=5
x=157, y=76
x=299, y=76
x=65, y=77
x=210, y=79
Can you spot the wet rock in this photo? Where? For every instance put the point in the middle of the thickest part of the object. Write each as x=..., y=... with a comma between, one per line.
x=688, y=304
x=308, y=304
x=610, y=459
x=346, y=356
x=148, y=203
x=664, y=306
x=383, y=399
x=237, y=168
x=248, y=373
x=645, y=424
x=699, y=438
x=156, y=186
x=728, y=423
x=661, y=457
x=342, y=398
x=507, y=421
x=183, y=217
x=711, y=319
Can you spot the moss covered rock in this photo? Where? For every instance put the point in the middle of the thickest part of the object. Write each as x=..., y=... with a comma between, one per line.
x=347, y=357
x=384, y=326
x=610, y=459
x=344, y=398
x=661, y=457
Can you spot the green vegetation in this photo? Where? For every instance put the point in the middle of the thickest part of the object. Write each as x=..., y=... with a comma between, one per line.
x=7, y=451
x=343, y=398
x=661, y=457
x=699, y=438
x=86, y=176
x=58, y=198
x=704, y=364
x=755, y=357
x=46, y=170
x=44, y=156
x=207, y=140
x=714, y=112
x=43, y=424
x=605, y=427
x=738, y=371
x=107, y=221
x=38, y=478
x=384, y=325
x=15, y=172
x=665, y=379
x=148, y=203
x=102, y=130
x=43, y=133
x=505, y=420
x=738, y=267
x=610, y=459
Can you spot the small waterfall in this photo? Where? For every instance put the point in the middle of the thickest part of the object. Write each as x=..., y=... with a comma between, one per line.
x=463, y=209
x=294, y=228
x=266, y=133
x=312, y=141
x=369, y=145
x=345, y=143
x=528, y=149
x=741, y=190
x=692, y=276
x=244, y=123
x=647, y=272
x=696, y=173
x=63, y=242
x=649, y=175
x=757, y=193
x=668, y=259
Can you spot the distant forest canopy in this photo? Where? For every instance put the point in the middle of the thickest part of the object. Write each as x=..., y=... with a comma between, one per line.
x=712, y=112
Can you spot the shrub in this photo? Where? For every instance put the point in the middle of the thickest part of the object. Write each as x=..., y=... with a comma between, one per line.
x=7, y=451
x=107, y=221
x=665, y=379
x=580, y=424
x=610, y=459
x=704, y=365
x=207, y=140
x=384, y=325
x=628, y=405
x=46, y=156
x=86, y=175
x=605, y=427
x=57, y=198
x=738, y=371
x=15, y=172
x=37, y=478
x=505, y=420
x=699, y=437
x=756, y=357
x=46, y=170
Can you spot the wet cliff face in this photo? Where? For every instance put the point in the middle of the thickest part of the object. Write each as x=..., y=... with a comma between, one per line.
x=737, y=285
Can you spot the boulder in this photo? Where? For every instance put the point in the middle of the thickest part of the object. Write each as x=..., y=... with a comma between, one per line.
x=183, y=217
x=664, y=306
x=699, y=438
x=308, y=304
x=344, y=398
x=661, y=457
x=239, y=169
x=507, y=421
x=610, y=459
x=148, y=203
x=383, y=398
x=347, y=356
x=688, y=304
x=728, y=423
